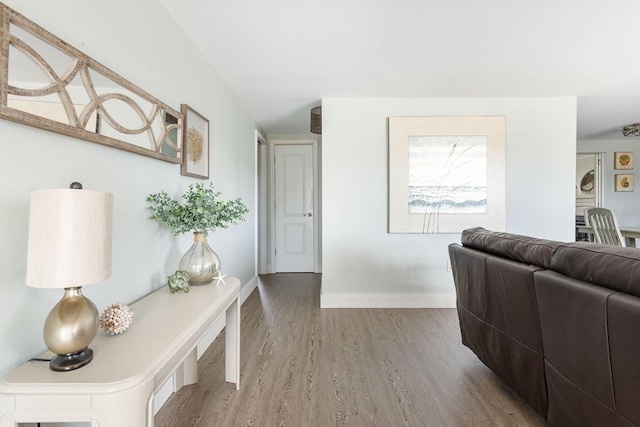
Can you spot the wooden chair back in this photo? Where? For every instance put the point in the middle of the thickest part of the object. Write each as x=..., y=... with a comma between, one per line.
x=604, y=226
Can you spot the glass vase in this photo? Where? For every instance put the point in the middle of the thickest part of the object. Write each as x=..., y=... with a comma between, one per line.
x=200, y=261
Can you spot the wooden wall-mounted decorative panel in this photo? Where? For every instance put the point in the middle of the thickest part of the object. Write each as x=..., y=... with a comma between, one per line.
x=49, y=84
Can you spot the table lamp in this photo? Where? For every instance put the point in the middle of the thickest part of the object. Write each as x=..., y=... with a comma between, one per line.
x=69, y=246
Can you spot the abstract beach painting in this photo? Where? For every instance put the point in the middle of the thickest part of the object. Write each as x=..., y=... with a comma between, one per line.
x=446, y=173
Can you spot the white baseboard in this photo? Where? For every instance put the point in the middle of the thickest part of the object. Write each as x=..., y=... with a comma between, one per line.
x=248, y=288
x=442, y=300
x=165, y=392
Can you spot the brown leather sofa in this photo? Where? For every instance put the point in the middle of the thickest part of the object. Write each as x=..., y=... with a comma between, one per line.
x=558, y=322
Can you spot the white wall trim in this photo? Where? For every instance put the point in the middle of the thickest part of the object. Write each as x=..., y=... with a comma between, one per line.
x=246, y=290
x=261, y=203
x=441, y=300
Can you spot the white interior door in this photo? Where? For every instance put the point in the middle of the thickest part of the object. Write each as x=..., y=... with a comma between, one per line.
x=294, y=208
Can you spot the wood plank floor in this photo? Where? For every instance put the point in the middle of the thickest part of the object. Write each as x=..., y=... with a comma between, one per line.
x=303, y=366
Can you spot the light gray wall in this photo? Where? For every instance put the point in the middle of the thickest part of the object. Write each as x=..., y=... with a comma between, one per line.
x=363, y=265
x=625, y=205
x=138, y=40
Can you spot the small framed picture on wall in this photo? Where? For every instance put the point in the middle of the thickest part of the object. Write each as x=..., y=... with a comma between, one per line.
x=624, y=182
x=195, y=145
x=623, y=160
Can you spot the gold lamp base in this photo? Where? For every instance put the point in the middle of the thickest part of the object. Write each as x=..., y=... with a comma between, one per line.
x=69, y=362
x=69, y=329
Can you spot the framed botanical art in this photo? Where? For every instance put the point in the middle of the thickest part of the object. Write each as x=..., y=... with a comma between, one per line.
x=446, y=173
x=624, y=182
x=195, y=144
x=623, y=160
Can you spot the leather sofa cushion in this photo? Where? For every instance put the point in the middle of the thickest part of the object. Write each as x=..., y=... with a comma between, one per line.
x=613, y=267
x=525, y=249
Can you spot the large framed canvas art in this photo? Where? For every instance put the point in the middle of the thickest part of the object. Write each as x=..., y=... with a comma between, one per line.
x=446, y=173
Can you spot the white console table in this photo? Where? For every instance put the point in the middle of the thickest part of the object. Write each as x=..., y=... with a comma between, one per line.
x=117, y=388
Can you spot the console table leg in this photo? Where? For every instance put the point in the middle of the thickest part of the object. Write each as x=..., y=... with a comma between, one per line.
x=187, y=373
x=232, y=344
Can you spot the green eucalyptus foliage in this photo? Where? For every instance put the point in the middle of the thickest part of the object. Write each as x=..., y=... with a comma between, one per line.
x=201, y=211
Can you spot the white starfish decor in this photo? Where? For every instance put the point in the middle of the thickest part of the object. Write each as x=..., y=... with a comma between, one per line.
x=220, y=278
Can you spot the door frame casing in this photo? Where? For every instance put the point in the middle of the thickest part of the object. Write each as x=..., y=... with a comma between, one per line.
x=261, y=203
x=272, y=268
x=600, y=177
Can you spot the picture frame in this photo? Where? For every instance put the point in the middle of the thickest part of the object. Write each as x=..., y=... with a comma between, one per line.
x=624, y=182
x=446, y=173
x=623, y=160
x=195, y=144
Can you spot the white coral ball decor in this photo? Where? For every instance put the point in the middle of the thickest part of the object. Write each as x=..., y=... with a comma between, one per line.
x=116, y=318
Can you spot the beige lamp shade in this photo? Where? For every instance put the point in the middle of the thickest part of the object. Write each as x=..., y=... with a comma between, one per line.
x=69, y=238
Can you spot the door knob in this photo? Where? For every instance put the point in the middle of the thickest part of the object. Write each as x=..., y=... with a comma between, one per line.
x=309, y=214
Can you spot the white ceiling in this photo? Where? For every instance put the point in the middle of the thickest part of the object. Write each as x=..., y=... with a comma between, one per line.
x=281, y=57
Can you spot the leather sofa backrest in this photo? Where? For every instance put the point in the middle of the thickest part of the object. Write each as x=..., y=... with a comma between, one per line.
x=623, y=314
x=574, y=335
x=612, y=267
x=498, y=291
x=524, y=249
x=591, y=348
x=584, y=299
x=498, y=316
x=594, y=322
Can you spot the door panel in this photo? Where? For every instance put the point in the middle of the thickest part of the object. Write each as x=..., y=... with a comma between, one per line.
x=294, y=208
